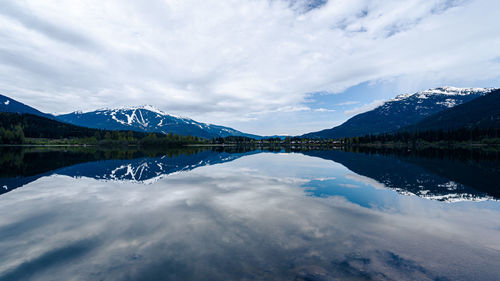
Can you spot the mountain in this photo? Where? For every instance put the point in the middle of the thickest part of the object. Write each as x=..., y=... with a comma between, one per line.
x=12, y=106
x=34, y=126
x=102, y=165
x=435, y=178
x=402, y=111
x=142, y=119
x=148, y=170
x=147, y=119
x=483, y=112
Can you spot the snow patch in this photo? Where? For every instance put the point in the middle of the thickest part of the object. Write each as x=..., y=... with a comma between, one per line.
x=153, y=109
x=451, y=185
x=113, y=116
x=448, y=103
x=454, y=91
x=7, y=102
x=402, y=97
x=449, y=91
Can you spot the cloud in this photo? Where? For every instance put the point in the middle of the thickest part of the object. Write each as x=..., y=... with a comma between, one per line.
x=292, y=109
x=364, y=108
x=348, y=103
x=248, y=214
x=366, y=180
x=324, y=110
x=219, y=61
x=348, y=185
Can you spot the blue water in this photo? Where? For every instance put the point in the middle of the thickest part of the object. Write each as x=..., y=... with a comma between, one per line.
x=248, y=216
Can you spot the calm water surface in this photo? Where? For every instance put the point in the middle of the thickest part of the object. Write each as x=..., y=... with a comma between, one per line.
x=208, y=215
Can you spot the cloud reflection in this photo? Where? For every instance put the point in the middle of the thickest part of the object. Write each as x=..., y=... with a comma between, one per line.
x=238, y=220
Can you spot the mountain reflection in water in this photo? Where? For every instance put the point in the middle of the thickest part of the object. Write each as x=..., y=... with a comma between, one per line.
x=203, y=214
x=437, y=178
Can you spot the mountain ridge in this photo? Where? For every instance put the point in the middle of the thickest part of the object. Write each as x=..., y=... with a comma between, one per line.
x=144, y=118
x=482, y=112
x=11, y=105
x=401, y=111
x=147, y=118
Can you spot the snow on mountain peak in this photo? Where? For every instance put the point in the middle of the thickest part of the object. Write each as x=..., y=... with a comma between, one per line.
x=132, y=108
x=446, y=90
x=155, y=110
x=152, y=108
x=402, y=97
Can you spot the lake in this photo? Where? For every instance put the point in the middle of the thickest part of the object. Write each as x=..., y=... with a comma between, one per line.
x=240, y=214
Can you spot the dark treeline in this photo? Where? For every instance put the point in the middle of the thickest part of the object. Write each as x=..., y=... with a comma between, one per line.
x=443, y=137
x=32, y=129
x=247, y=140
x=275, y=141
x=460, y=153
x=232, y=140
x=27, y=161
x=403, y=138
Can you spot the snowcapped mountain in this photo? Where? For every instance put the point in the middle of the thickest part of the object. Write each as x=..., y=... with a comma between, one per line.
x=431, y=178
x=147, y=119
x=483, y=112
x=402, y=111
x=142, y=118
x=147, y=170
x=144, y=170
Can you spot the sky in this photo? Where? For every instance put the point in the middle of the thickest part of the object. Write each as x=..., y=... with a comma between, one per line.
x=260, y=66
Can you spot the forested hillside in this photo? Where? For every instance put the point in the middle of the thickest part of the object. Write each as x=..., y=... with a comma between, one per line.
x=22, y=128
x=482, y=112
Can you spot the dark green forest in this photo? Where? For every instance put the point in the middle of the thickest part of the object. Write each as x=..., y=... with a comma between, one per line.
x=31, y=129
x=484, y=136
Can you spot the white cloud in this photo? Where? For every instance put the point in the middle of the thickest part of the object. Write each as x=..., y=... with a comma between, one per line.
x=219, y=61
x=292, y=109
x=364, y=108
x=347, y=103
x=324, y=110
x=348, y=185
x=366, y=180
